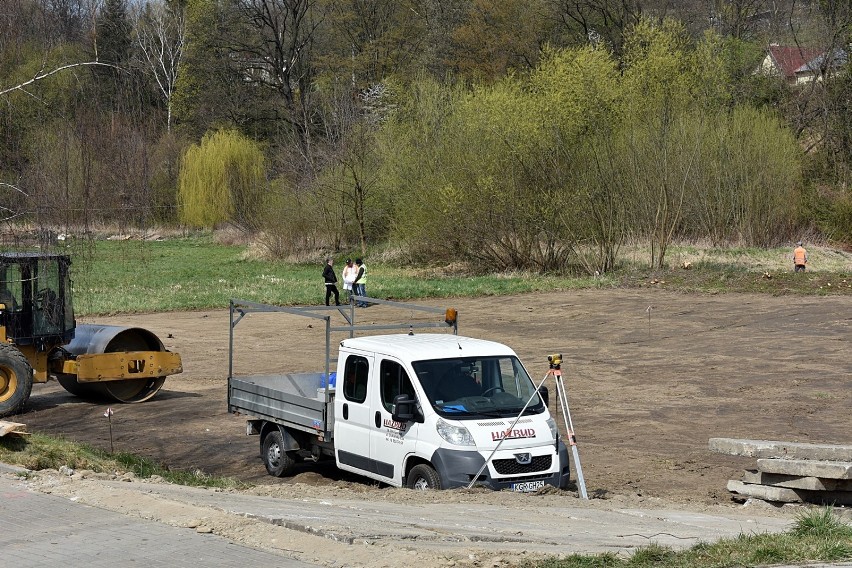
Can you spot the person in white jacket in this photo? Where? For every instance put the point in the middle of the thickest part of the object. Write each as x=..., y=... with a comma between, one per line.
x=348, y=276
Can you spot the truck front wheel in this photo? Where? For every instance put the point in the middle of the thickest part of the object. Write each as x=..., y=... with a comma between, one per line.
x=277, y=460
x=423, y=477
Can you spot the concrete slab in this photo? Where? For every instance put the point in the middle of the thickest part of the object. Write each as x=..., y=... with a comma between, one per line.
x=764, y=492
x=826, y=469
x=796, y=481
x=778, y=449
x=785, y=495
x=9, y=468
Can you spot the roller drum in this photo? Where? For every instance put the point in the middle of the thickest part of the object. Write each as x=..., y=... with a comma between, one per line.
x=93, y=339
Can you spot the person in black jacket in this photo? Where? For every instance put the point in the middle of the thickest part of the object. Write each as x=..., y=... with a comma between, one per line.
x=330, y=282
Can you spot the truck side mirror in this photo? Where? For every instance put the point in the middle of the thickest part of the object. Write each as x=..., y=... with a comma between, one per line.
x=544, y=394
x=404, y=408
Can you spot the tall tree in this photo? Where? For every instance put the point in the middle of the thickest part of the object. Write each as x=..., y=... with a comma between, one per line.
x=112, y=46
x=222, y=179
x=598, y=21
x=274, y=50
x=501, y=35
x=203, y=96
x=160, y=35
x=662, y=137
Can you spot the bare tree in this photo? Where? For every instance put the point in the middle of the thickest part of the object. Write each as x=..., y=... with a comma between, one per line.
x=739, y=18
x=161, y=35
x=275, y=51
x=662, y=153
x=819, y=108
x=599, y=20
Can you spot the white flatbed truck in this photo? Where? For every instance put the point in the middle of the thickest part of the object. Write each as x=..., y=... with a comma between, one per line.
x=417, y=410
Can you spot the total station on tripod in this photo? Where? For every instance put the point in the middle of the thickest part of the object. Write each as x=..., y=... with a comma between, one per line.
x=555, y=360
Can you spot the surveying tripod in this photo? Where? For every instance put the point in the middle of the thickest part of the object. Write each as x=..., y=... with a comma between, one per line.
x=556, y=372
x=562, y=394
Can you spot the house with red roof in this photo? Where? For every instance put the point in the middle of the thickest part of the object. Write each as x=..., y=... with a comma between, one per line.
x=800, y=65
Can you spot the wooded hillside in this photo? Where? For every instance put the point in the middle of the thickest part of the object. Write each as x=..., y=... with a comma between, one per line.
x=532, y=134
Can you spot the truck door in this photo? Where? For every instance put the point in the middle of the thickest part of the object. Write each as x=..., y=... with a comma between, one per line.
x=391, y=441
x=352, y=421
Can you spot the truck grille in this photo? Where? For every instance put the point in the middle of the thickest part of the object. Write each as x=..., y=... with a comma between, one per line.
x=512, y=467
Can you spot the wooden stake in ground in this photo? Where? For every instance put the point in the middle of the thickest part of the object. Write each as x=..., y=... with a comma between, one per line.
x=648, y=309
x=108, y=415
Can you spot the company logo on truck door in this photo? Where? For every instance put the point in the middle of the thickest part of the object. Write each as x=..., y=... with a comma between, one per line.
x=401, y=426
x=513, y=434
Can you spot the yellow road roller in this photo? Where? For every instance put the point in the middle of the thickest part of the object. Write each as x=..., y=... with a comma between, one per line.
x=40, y=340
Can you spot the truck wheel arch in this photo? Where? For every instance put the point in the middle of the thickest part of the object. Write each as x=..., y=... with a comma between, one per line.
x=278, y=449
x=289, y=442
x=423, y=477
x=411, y=463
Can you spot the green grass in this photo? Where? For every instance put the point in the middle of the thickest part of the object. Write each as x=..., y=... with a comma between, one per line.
x=39, y=451
x=817, y=535
x=197, y=273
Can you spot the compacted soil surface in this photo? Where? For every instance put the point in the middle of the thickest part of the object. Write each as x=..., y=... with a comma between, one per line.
x=651, y=375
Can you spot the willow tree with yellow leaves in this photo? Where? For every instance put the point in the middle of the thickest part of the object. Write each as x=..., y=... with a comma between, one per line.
x=223, y=179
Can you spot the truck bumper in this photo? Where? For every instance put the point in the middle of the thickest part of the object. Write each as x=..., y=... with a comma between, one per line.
x=457, y=468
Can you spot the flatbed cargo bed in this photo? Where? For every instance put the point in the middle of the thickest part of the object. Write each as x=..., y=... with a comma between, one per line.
x=298, y=400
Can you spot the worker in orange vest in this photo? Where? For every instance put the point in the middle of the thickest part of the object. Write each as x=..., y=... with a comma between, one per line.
x=800, y=257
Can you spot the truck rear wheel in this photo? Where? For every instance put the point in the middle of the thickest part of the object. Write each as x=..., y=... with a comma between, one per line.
x=423, y=477
x=16, y=380
x=277, y=460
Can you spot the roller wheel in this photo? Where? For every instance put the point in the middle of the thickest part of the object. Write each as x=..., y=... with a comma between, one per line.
x=423, y=477
x=16, y=380
x=133, y=390
x=69, y=383
x=277, y=460
x=128, y=390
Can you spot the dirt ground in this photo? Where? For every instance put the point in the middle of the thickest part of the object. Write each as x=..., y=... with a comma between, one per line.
x=651, y=376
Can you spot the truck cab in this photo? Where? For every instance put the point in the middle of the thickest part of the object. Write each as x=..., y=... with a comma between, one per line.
x=443, y=411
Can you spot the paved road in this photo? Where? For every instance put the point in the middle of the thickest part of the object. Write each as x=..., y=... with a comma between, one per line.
x=38, y=530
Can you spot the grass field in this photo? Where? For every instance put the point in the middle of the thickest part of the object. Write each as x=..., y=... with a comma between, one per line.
x=197, y=273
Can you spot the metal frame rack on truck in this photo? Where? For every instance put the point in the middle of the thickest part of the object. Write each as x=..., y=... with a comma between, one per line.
x=422, y=410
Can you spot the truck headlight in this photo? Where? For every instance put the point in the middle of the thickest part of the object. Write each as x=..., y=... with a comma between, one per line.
x=458, y=435
x=554, y=431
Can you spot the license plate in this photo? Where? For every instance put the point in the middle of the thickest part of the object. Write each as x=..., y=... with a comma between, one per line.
x=527, y=486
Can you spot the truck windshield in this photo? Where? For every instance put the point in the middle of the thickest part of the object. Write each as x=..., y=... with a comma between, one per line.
x=477, y=386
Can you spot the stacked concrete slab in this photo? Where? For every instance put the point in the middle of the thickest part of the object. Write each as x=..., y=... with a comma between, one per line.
x=791, y=472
